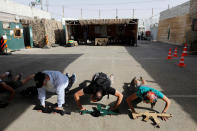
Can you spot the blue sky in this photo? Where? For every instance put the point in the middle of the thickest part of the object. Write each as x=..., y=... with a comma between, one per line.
x=90, y=8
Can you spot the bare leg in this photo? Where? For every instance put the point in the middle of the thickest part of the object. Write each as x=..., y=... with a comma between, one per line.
x=27, y=79
x=4, y=75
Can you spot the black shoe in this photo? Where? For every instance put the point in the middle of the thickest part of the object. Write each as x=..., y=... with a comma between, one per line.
x=67, y=75
x=72, y=80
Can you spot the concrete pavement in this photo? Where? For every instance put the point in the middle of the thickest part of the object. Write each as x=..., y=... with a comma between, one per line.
x=147, y=60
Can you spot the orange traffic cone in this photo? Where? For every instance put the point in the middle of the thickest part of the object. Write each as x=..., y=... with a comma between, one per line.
x=185, y=50
x=181, y=62
x=175, y=52
x=169, y=54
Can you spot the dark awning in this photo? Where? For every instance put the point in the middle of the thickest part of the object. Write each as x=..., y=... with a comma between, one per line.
x=102, y=21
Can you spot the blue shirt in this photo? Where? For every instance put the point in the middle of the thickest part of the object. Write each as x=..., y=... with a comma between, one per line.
x=143, y=89
x=58, y=83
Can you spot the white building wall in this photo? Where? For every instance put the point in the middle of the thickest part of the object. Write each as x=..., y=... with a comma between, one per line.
x=154, y=32
x=18, y=10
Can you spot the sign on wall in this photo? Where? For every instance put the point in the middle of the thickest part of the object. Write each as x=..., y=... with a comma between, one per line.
x=6, y=26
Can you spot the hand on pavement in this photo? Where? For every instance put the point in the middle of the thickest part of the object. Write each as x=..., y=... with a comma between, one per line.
x=82, y=109
x=164, y=118
x=58, y=108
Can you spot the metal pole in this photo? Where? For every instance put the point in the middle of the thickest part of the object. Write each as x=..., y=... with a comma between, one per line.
x=47, y=5
x=81, y=13
x=152, y=17
x=116, y=13
x=63, y=11
x=152, y=12
x=41, y=4
x=133, y=13
x=99, y=13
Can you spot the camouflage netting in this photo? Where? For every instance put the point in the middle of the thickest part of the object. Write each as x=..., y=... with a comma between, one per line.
x=42, y=28
x=107, y=21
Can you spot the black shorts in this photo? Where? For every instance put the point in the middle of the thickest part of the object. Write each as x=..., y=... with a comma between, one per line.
x=14, y=84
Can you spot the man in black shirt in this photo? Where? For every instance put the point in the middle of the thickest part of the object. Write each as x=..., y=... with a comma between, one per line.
x=99, y=87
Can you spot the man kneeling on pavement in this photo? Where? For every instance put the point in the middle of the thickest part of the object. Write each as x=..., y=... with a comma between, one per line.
x=55, y=82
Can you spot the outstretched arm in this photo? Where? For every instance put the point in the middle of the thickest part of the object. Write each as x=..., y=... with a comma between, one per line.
x=24, y=81
x=166, y=107
x=77, y=96
x=167, y=104
x=129, y=101
x=119, y=100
